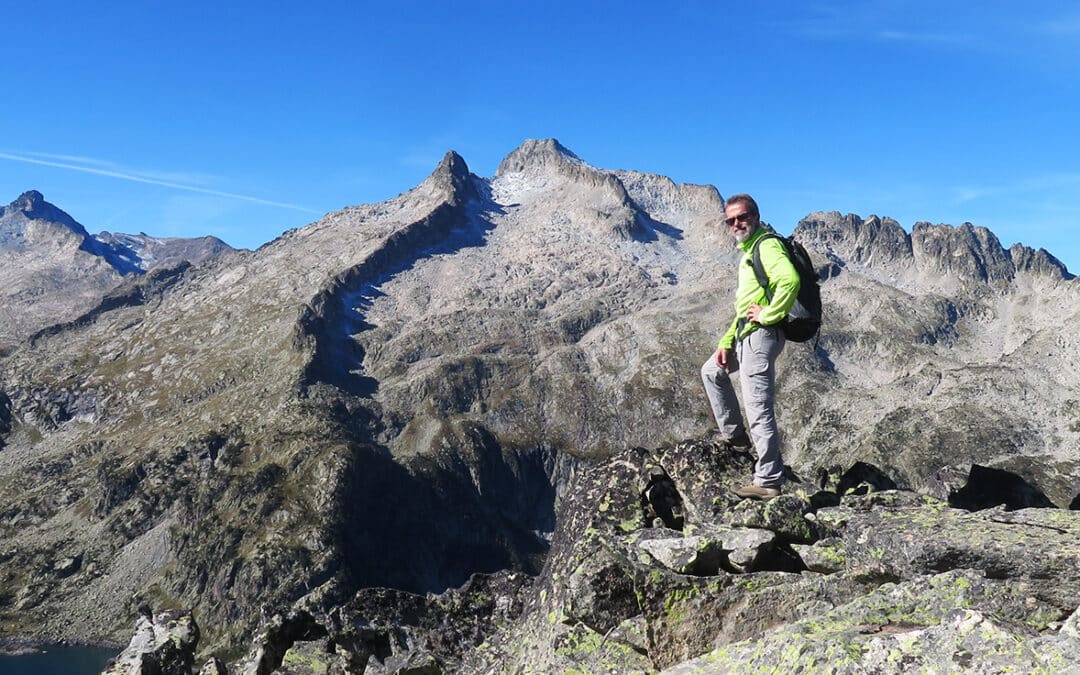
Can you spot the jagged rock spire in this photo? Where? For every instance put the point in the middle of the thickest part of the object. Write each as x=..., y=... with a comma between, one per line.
x=966, y=252
x=452, y=177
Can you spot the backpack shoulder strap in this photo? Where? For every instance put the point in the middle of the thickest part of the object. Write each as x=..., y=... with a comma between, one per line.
x=759, y=269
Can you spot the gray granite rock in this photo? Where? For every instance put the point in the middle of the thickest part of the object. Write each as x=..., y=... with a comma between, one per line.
x=164, y=644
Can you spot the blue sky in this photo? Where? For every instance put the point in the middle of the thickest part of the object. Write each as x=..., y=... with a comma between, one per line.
x=245, y=119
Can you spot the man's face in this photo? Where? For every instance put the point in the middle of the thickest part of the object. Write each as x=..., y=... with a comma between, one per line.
x=740, y=222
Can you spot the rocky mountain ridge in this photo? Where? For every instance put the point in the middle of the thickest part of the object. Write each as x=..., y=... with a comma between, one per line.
x=149, y=253
x=399, y=394
x=964, y=254
x=52, y=270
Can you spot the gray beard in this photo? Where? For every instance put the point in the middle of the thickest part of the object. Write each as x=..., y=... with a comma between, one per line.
x=741, y=238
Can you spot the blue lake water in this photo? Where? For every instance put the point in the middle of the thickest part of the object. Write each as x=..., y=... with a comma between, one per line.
x=58, y=660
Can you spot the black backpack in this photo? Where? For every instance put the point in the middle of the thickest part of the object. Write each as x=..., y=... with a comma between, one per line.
x=804, y=318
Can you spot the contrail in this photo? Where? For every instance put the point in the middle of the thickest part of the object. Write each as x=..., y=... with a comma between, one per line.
x=152, y=181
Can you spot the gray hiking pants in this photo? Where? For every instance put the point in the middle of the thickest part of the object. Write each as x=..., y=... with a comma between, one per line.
x=755, y=361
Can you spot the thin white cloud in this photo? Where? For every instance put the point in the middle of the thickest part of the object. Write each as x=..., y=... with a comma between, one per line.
x=90, y=166
x=970, y=194
x=1054, y=181
x=71, y=159
x=190, y=179
x=1066, y=26
x=947, y=39
x=910, y=21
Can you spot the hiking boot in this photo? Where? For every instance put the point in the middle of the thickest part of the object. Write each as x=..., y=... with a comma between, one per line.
x=740, y=443
x=756, y=492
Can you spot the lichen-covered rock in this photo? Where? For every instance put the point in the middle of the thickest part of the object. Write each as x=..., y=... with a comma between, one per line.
x=783, y=515
x=214, y=666
x=941, y=623
x=825, y=555
x=861, y=580
x=1072, y=624
x=890, y=499
x=688, y=616
x=1041, y=546
x=704, y=473
x=633, y=633
x=741, y=549
x=276, y=637
x=310, y=658
x=693, y=554
x=600, y=591
x=163, y=644
x=972, y=641
x=386, y=630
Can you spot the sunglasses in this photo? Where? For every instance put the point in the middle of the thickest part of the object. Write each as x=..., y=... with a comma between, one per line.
x=741, y=218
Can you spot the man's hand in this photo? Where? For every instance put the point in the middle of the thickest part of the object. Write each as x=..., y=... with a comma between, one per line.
x=723, y=358
x=754, y=313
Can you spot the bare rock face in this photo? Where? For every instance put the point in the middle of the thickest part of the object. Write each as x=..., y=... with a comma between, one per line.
x=148, y=253
x=932, y=257
x=52, y=270
x=163, y=644
x=968, y=252
x=400, y=395
x=48, y=268
x=871, y=243
x=605, y=205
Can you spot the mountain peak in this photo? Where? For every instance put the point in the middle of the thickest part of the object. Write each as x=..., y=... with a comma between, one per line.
x=28, y=201
x=32, y=205
x=453, y=166
x=451, y=177
x=967, y=251
x=537, y=152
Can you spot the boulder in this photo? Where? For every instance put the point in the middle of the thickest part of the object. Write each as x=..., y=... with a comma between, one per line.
x=825, y=555
x=686, y=555
x=214, y=666
x=1037, y=546
x=164, y=644
x=783, y=515
x=276, y=638
x=948, y=622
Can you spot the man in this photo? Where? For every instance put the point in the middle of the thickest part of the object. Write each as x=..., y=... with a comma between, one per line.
x=751, y=346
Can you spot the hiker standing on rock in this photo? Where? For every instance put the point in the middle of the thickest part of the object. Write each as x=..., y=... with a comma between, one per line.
x=751, y=346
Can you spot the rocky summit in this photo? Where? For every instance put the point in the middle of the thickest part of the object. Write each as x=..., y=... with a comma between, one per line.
x=304, y=446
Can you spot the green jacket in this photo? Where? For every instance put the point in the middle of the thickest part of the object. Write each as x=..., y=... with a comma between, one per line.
x=783, y=284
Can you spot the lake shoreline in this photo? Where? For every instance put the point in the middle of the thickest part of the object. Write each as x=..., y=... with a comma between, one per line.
x=21, y=645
